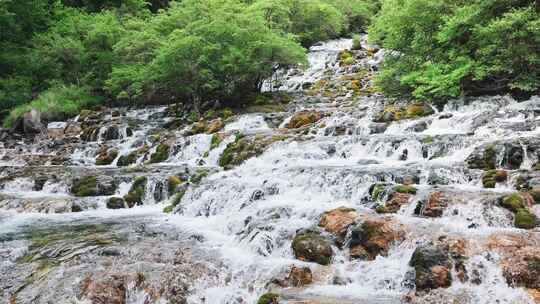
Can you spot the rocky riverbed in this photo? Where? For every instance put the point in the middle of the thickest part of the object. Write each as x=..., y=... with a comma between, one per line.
x=324, y=191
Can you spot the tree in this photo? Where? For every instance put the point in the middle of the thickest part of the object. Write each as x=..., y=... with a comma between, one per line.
x=443, y=49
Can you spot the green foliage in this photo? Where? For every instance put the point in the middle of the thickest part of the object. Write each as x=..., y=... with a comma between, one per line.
x=57, y=103
x=221, y=50
x=309, y=20
x=445, y=49
x=358, y=13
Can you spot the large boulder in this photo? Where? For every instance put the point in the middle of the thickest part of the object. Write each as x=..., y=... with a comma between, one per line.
x=374, y=237
x=29, y=124
x=312, y=247
x=337, y=221
x=304, y=118
x=432, y=266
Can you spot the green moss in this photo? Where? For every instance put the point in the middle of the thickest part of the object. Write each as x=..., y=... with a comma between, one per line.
x=176, y=199
x=377, y=191
x=161, y=154
x=513, y=202
x=346, y=58
x=115, y=203
x=126, y=160
x=535, y=194
x=492, y=177
x=524, y=219
x=428, y=140
x=107, y=159
x=86, y=186
x=216, y=141
x=199, y=175
x=405, y=189
x=172, y=184
x=268, y=298
x=137, y=192
x=418, y=110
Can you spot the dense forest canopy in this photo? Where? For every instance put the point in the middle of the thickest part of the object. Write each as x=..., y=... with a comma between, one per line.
x=63, y=56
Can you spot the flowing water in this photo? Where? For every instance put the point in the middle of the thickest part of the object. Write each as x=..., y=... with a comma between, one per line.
x=230, y=235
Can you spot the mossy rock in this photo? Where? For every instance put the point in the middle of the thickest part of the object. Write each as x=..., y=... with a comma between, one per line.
x=484, y=159
x=172, y=184
x=418, y=110
x=377, y=191
x=244, y=148
x=304, y=118
x=513, y=202
x=106, y=158
x=137, y=192
x=215, y=141
x=312, y=247
x=346, y=58
x=175, y=201
x=199, y=175
x=492, y=177
x=524, y=219
x=115, y=203
x=405, y=189
x=535, y=194
x=129, y=159
x=268, y=298
x=93, y=186
x=161, y=154
x=86, y=186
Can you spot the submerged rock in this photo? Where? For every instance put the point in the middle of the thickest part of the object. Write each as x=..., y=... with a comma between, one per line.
x=312, y=247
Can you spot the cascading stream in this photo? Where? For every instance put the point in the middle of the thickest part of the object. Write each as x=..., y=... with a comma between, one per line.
x=413, y=202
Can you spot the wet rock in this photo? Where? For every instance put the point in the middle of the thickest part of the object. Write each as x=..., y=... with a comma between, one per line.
x=39, y=182
x=394, y=204
x=111, y=133
x=304, y=118
x=215, y=126
x=377, y=128
x=93, y=186
x=492, y=177
x=518, y=204
x=269, y=298
x=297, y=277
x=55, y=130
x=116, y=203
x=126, y=160
x=419, y=127
x=245, y=147
x=312, y=247
x=374, y=237
x=106, y=156
x=511, y=152
x=161, y=154
x=159, y=192
x=521, y=267
x=90, y=133
x=446, y=116
x=137, y=192
x=436, y=204
x=338, y=220
x=432, y=267
x=398, y=112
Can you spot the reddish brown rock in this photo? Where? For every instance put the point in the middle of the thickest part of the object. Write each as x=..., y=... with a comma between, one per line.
x=374, y=237
x=436, y=204
x=337, y=221
x=299, y=276
x=395, y=203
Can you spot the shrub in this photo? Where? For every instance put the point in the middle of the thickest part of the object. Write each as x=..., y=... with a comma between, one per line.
x=58, y=103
